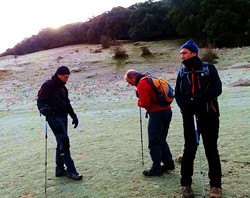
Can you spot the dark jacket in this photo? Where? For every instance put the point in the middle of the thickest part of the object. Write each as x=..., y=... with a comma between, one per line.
x=54, y=95
x=196, y=91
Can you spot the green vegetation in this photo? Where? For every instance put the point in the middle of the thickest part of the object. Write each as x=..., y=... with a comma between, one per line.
x=210, y=22
x=209, y=56
x=119, y=52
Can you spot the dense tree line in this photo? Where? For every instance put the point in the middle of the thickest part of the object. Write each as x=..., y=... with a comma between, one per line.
x=219, y=23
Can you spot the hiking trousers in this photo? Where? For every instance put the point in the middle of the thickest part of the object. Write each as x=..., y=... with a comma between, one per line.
x=158, y=126
x=59, y=125
x=208, y=129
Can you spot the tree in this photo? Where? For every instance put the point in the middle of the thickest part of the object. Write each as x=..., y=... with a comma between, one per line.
x=227, y=26
x=117, y=23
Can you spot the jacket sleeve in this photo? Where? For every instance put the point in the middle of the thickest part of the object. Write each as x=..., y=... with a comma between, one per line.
x=178, y=96
x=215, y=85
x=70, y=109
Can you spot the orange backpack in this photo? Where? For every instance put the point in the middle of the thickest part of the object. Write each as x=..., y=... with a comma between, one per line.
x=163, y=90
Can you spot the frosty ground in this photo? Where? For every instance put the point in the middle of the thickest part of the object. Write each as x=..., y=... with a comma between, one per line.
x=106, y=146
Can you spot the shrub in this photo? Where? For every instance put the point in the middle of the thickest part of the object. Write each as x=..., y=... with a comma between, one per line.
x=105, y=41
x=145, y=51
x=119, y=52
x=209, y=56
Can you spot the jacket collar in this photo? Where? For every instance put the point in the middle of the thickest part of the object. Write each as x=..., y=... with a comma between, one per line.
x=138, y=78
x=193, y=63
x=57, y=80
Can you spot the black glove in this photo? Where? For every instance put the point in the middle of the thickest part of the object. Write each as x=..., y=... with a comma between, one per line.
x=46, y=111
x=199, y=98
x=75, y=121
x=192, y=104
x=187, y=107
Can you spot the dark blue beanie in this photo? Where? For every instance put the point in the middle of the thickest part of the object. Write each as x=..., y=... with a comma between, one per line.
x=191, y=45
x=63, y=70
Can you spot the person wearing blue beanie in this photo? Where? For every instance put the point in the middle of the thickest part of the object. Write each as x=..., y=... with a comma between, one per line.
x=191, y=45
x=197, y=88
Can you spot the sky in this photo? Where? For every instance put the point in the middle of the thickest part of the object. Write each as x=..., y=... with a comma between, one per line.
x=20, y=19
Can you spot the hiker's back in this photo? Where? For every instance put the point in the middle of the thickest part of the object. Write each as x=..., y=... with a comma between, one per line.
x=148, y=96
x=163, y=90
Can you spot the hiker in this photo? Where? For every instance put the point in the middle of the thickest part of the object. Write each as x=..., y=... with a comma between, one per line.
x=196, y=94
x=158, y=124
x=54, y=104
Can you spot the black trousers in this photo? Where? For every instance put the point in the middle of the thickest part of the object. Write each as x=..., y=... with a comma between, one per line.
x=208, y=129
x=58, y=125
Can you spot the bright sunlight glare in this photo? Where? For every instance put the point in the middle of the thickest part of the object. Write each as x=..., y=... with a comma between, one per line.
x=22, y=19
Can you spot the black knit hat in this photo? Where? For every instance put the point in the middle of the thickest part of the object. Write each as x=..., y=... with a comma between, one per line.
x=191, y=45
x=63, y=70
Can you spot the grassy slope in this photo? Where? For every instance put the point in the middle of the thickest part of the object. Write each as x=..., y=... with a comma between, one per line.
x=106, y=146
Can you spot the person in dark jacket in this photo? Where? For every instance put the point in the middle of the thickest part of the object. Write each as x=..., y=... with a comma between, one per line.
x=197, y=87
x=54, y=104
x=158, y=124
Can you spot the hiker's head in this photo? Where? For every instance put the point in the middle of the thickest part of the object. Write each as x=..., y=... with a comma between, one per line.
x=63, y=73
x=189, y=50
x=130, y=76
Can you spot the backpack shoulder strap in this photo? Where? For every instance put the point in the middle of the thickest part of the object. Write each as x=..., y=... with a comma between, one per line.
x=205, y=69
x=182, y=72
x=205, y=66
x=150, y=80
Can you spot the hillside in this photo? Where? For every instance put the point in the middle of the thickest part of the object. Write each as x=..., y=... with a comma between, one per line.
x=106, y=145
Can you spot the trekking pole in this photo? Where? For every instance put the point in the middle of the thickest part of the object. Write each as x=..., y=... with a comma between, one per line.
x=46, y=146
x=200, y=171
x=141, y=139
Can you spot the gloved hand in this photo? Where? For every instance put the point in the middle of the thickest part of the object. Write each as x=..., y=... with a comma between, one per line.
x=185, y=108
x=189, y=106
x=192, y=104
x=200, y=98
x=75, y=121
x=46, y=111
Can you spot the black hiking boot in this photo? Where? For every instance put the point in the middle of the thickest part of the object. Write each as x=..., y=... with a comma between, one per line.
x=60, y=173
x=74, y=176
x=152, y=172
x=166, y=168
